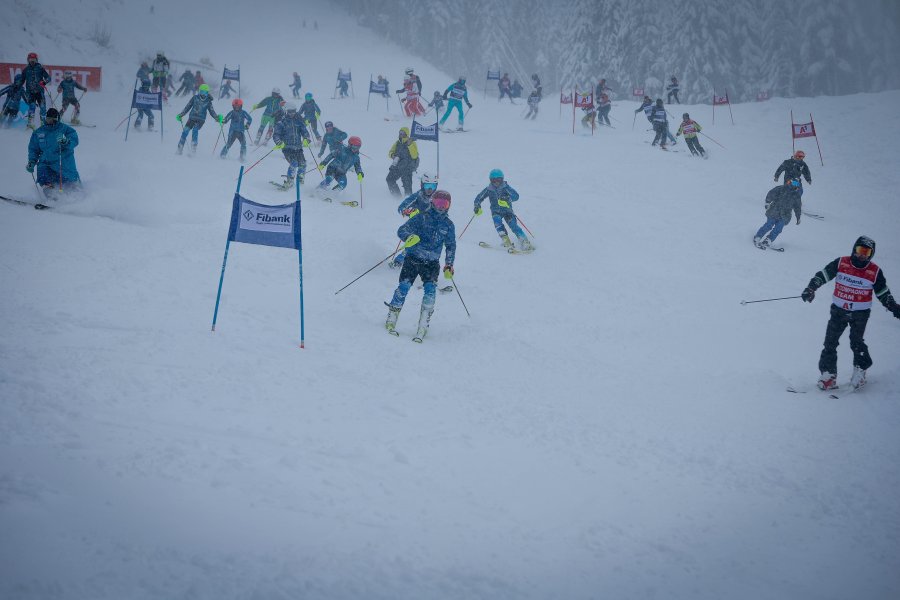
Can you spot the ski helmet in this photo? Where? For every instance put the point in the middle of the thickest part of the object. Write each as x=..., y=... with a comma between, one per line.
x=863, y=251
x=276, y=91
x=409, y=70
x=440, y=200
x=204, y=88
x=429, y=183
x=67, y=74
x=799, y=154
x=52, y=114
x=462, y=78
x=354, y=142
x=495, y=174
x=159, y=53
x=329, y=124
x=659, y=102
x=32, y=55
x=308, y=96
x=237, y=103
x=685, y=116
x=290, y=107
x=295, y=73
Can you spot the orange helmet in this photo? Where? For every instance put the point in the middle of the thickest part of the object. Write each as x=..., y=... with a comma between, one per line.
x=237, y=103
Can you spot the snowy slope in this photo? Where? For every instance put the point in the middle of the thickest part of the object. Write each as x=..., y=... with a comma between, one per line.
x=610, y=422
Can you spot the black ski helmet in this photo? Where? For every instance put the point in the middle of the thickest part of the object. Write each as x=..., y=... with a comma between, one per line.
x=659, y=102
x=861, y=262
x=685, y=116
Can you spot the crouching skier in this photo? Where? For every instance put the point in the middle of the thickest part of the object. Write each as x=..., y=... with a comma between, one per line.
x=52, y=151
x=425, y=235
x=338, y=162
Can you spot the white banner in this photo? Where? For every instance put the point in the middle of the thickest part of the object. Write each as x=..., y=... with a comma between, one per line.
x=270, y=219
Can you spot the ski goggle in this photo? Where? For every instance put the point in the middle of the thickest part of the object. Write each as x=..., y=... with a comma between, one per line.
x=496, y=180
x=863, y=251
x=441, y=204
x=429, y=186
x=800, y=154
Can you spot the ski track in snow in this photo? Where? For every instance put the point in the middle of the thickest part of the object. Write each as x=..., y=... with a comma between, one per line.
x=609, y=422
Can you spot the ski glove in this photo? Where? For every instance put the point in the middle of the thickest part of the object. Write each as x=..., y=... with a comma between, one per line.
x=305, y=143
x=30, y=166
x=808, y=295
x=478, y=210
x=448, y=271
x=221, y=119
x=895, y=310
x=321, y=166
x=178, y=118
x=62, y=140
x=470, y=106
x=411, y=241
x=410, y=212
x=279, y=146
x=359, y=178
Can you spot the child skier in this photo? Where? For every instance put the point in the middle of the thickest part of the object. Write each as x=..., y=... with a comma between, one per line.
x=52, y=150
x=226, y=90
x=240, y=122
x=857, y=278
x=187, y=84
x=67, y=88
x=690, y=129
x=425, y=236
x=404, y=155
x=590, y=112
x=660, y=121
x=413, y=205
x=603, y=111
x=412, y=87
x=311, y=112
x=198, y=106
x=143, y=75
x=333, y=138
x=501, y=196
x=780, y=201
x=161, y=79
x=647, y=107
x=292, y=136
x=437, y=103
x=534, y=98
x=296, y=85
x=458, y=95
x=338, y=162
x=36, y=79
x=272, y=104
x=14, y=93
x=672, y=88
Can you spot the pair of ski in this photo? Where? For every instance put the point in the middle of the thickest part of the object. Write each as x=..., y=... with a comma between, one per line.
x=813, y=216
x=511, y=249
x=834, y=393
x=35, y=205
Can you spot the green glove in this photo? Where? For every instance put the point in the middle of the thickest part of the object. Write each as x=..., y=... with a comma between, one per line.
x=478, y=210
x=318, y=115
x=279, y=146
x=359, y=178
x=178, y=118
x=411, y=241
x=30, y=166
x=305, y=143
x=221, y=119
x=255, y=106
x=448, y=271
x=321, y=166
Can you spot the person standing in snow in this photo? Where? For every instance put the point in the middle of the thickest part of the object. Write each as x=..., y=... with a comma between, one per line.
x=603, y=110
x=780, y=202
x=14, y=93
x=412, y=87
x=197, y=106
x=857, y=279
x=296, y=85
x=226, y=90
x=187, y=84
x=672, y=88
x=332, y=140
x=143, y=75
x=504, y=86
x=52, y=150
x=501, y=195
x=404, y=155
x=690, y=129
x=272, y=104
x=413, y=205
x=385, y=93
x=67, y=88
x=36, y=79
x=659, y=118
x=515, y=91
x=425, y=236
x=240, y=121
x=311, y=113
x=292, y=137
x=647, y=107
x=458, y=94
x=161, y=74
x=590, y=112
x=795, y=168
x=338, y=162
x=437, y=102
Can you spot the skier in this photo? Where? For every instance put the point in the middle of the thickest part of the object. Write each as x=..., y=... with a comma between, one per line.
x=794, y=168
x=515, y=91
x=52, y=150
x=198, y=106
x=534, y=98
x=590, y=112
x=437, y=102
x=660, y=124
x=672, y=88
x=412, y=205
x=311, y=112
x=292, y=136
x=240, y=122
x=405, y=160
x=36, y=79
x=187, y=84
x=333, y=138
x=198, y=81
x=603, y=111
x=272, y=104
x=226, y=90
x=161, y=74
x=412, y=87
x=344, y=87
x=647, y=107
x=536, y=83
x=424, y=235
x=385, y=86
x=501, y=196
x=504, y=86
x=14, y=93
x=690, y=129
x=296, y=85
x=67, y=88
x=143, y=75
x=458, y=94
x=857, y=278
x=338, y=162
x=780, y=201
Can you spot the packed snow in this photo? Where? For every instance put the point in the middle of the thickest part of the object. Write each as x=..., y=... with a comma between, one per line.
x=610, y=422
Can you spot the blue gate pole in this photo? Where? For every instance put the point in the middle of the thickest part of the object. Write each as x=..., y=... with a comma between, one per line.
x=225, y=260
x=300, y=262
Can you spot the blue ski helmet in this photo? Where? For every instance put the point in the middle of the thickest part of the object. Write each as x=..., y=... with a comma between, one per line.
x=308, y=96
x=496, y=174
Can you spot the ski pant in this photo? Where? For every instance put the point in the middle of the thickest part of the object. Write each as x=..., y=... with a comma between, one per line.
x=413, y=267
x=772, y=227
x=693, y=143
x=404, y=176
x=295, y=89
x=65, y=105
x=332, y=175
x=313, y=126
x=48, y=175
x=185, y=89
x=413, y=108
x=839, y=321
x=661, y=130
x=265, y=120
x=33, y=98
x=142, y=112
x=673, y=93
x=451, y=104
x=194, y=128
x=235, y=136
x=603, y=115
x=296, y=160
x=532, y=111
x=504, y=92
x=588, y=120
x=510, y=217
x=159, y=82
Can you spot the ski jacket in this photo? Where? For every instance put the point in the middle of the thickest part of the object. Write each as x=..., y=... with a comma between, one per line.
x=297, y=83
x=187, y=78
x=417, y=201
x=605, y=102
x=240, y=120
x=44, y=148
x=68, y=87
x=292, y=131
x=781, y=200
x=793, y=169
x=14, y=94
x=332, y=141
x=36, y=77
x=310, y=110
x=342, y=159
x=659, y=116
x=503, y=84
x=143, y=75
x=516, y=89
x=457, y=91
x=854, y=287
x=407, y=152
x=437, y=102
x=534, y=99
x=689, y=128
x=272, y=104
x=672, y=87
x=161, y=67
x=500, y=197
x=436, y=232
x=646, y=106
x=409, y=83
x=198, y=107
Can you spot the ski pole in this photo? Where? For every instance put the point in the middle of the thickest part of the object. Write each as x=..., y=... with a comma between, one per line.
x=360, y=193
x=456, y=287
x=524, y=225
x=467, y=226
x=262, y=159
x=60, y=166
x=221, y=133
x=123, y=120
x=369, y=271
x=768, y=300
x=313, y=154
x=714, y=141
x=633, y=121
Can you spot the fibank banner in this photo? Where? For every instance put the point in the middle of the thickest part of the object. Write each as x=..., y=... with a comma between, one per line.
x=147, y=100
x=89, y=77
x=254, y=223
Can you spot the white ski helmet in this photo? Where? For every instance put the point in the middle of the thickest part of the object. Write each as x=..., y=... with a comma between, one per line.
x=409, y=70
x=290, y=107
x=429, y=183
x=276, y=90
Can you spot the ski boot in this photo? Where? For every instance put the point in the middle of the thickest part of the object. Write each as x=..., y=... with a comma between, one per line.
x=827, y=381
x=506, y=243
x=424, y=320
x=858, y=379
x=193, y=149
x=75, y=121
x=391, y=323
x=150, y=126
x=180, y=148
x=223, y=153
x=30, y=124
x=526, y=244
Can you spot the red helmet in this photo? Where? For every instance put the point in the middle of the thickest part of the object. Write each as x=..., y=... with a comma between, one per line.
x=237, y=103
x=440, y=200
x=800, y=154
x=354, y=142
x=32, y=55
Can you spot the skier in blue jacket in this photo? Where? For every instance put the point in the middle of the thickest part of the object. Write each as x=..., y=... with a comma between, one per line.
x=417, y=202
x=52, y=150
x=67, y=88
x=14, y=93
x=501, y=195
x=36, y=79
x=458, y=94
x=143, y=75
x=240, y=121
x=337, y=163
x=333, y=138
x=311, y=111
x=198, y=106
x=292, y=137
x=425, y=236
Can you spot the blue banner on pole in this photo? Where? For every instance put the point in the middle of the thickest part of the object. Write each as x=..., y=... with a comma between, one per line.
x=254, y=223
x=232, y=74
x=146, y=100
x=424, y=132
x=493, y=75
x=344, y=76
x=377, y=88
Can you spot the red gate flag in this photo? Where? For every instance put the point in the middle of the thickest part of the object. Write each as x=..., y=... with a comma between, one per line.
x=720, y=100
x=639, y=92
x=584, y=100
x=89, y=77
x=804, y=130
x=565, y=98
x=762, y=96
